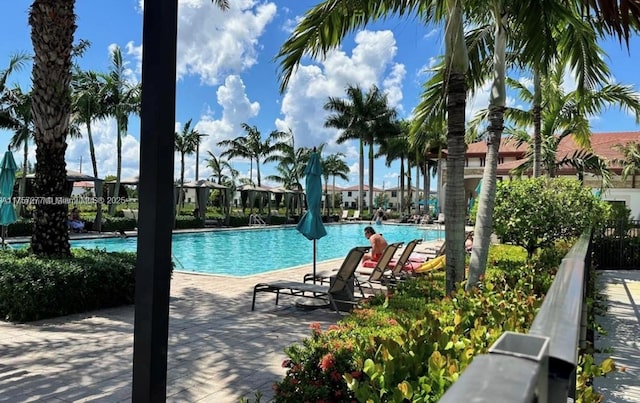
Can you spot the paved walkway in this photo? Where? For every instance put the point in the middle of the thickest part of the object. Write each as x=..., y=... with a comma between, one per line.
x=219, y=350
x=622, y=340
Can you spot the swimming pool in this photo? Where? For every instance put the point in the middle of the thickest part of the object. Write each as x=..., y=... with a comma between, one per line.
x=244, y=252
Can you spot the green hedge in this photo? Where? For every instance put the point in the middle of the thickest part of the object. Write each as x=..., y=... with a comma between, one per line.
x=413, y=343
x=33, y=288
x=188, y=221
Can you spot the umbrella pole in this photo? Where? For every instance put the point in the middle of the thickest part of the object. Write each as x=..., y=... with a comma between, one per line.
x=314, y=261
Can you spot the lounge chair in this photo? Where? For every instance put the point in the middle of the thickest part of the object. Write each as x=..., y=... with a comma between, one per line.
x=355, y=216
x=333, y=293
x=345, y=215
x=378, y=274
x=367, y=267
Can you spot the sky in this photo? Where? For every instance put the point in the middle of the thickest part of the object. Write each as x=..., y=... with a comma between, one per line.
x=227, y=75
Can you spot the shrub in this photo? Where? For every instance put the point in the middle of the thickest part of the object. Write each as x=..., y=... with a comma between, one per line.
x=188, y=221
x=537, y=212
x=412, y=344
x=115, y=224
x=33, y=288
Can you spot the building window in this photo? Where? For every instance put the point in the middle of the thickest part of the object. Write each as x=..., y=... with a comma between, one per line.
x=394, y=194
x=501, y=160
x=466, y=162
x=481, y=161
x=364, y=194
x=349, y=194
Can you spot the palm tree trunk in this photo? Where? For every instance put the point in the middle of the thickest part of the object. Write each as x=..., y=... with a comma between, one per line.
x=537, y=123
x=454, y=207
x=417, y=184
x=116, y=190
x=458, y=61
x=52, y=29
x=97, y=224
x=427, y=185
x=370, y=206
x=361, y=177
x=333, y=194
x=258, y=170
x=401, y=198
x=486, y=201
x=181, y=192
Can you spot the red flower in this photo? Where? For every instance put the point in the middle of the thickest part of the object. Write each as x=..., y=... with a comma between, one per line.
x=315, y=327
x=335, y=376
x=334, y=327
x=392, y=321
x=356, y=374
x=327, y=362
x=286, y=363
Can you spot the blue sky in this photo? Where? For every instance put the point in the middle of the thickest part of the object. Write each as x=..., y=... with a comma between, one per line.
x=227, y=76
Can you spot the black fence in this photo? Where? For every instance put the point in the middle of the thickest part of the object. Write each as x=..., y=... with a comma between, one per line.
x=617, y=245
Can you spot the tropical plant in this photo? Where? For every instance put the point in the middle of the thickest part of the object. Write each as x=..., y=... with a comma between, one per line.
x=394, y=148
x=292, y=162
x=252, y=146
x=87, y=89
x=535, y=213
x=630, y=162
x=429, y=141
x=20, y=121
x=365, y=117
x=186, y=143
x=52, y=28
x=333, y=165
x=121, y=99
x=218, y=166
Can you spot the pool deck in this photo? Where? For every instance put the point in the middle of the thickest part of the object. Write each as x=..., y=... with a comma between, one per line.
x=219, y=350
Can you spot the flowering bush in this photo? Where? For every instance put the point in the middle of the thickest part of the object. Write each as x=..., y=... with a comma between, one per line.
x=315, y=369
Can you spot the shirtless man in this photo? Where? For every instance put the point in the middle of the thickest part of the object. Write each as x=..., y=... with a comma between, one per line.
x=378, y=243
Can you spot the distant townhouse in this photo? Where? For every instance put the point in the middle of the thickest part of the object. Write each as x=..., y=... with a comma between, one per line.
x=512, y=156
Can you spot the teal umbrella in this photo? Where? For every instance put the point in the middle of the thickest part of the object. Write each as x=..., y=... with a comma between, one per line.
x=8, y=170
x=477, y=195
x=310, y=224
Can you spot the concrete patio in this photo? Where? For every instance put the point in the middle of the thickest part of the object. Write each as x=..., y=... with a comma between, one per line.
x=219, y=350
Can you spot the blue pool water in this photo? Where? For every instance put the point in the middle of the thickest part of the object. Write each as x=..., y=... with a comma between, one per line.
x=241, y=252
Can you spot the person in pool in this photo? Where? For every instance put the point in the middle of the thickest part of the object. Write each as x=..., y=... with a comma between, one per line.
x=378, y=244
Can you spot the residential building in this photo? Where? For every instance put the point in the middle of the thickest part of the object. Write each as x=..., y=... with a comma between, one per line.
x=511, y=155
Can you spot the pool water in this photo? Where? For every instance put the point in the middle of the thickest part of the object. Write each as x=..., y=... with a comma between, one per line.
x=244, y=252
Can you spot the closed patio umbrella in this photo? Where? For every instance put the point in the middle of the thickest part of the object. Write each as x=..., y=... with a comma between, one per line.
x=310, y=224
x=7, y=180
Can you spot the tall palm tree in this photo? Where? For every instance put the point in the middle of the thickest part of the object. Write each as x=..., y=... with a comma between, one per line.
x=364, y=117
x=291, y=163
x=630, y=162
x=333, y=165
x=87, y=88
x=218, y=166
x=20, y=121
x=252, y=146
x=52, y=28
x=429, y=140
x=121, y=99
x=186, y=143
x=397, y=148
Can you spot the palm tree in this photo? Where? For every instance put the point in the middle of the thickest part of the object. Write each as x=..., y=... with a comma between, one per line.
x=186, y=143
x=218, y=166
x=428, y=141
x=291, y=161
x=395, y=148
x=87, y=89
x=630, y=162
x=121, y=99
x=333, y=165
x=52, y=28
x=252, y=146
x=362, y=117
x=86, y=105
x=19, y=120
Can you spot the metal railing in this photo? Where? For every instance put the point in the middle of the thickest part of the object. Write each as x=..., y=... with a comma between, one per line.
x=539, y=366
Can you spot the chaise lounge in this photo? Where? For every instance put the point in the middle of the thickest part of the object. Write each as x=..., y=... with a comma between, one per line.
x=335, y=293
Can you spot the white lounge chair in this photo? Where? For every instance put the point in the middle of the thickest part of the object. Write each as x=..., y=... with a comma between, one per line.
x=355, y=216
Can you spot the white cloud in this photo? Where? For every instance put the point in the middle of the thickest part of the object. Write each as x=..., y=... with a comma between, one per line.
x=236, y=109
x=104, y=137
x=371, y=62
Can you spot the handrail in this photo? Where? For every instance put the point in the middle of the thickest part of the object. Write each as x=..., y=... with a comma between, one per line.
x=180, y=265
x=539, y=366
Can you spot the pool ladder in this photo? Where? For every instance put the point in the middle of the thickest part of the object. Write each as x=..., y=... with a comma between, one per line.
x=177, y=262
x=255, y=219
